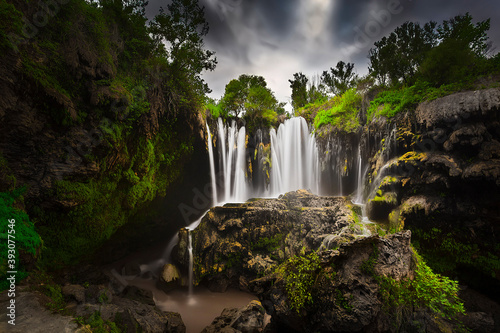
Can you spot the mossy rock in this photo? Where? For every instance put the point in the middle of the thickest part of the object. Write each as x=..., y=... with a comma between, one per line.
x=378, y=208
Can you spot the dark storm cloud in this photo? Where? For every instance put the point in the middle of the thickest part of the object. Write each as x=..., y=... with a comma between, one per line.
x=277, y=38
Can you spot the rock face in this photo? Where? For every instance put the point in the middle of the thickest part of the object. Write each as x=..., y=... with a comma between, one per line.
x=312, y=265
x=248, y=319
x=345, y=297
x=237, y=242
x=438, y=174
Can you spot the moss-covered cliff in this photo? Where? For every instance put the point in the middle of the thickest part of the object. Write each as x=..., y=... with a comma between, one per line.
x=92, y=122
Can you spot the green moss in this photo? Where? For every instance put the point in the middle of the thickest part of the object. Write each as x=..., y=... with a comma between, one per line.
x=428, y=290
x=267, y=244
x=299, y=274
x=18, y=233
x=10, y=24
x=342, y=301
x=445, y=251
x=343, y=114
x=391, y=102
x=99, y=325
x=151, y=166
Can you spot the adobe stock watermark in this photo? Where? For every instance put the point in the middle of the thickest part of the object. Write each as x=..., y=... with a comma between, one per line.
x=47, y=10
x=365, y=34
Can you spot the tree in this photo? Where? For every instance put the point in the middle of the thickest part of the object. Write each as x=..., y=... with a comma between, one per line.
x=448, y=62
x=396, y=58
x=178, y=38
x=299, y=90
x=340, y=78
x=248, y=97
x=235, y=94
x=260, y=107
x=461, y=28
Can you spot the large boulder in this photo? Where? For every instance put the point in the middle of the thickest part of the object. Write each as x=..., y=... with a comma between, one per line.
x=237, y=243
x=248, y=319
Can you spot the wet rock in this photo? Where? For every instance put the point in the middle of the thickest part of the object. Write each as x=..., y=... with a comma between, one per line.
x=134, y=312
x=248, y=319
x=74, y=292
x=470, y=135
x=345, y=295
x=249, y=238
x=170, y=278
x=139, y=295
x=131, y=269
x=380, y=206
x=459, y=107
x=486, y=170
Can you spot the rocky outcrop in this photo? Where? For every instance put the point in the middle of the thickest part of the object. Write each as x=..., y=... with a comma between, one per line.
x=345, y=294
x=442, y=181
x=237, y=242
x=248, y=319
x=312, y=264
x=459, y=107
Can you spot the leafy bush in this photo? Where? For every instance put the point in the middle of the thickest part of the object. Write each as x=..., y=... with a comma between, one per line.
x=343, y=113
x=428, y=290
x=25, y=237
x=299, y=274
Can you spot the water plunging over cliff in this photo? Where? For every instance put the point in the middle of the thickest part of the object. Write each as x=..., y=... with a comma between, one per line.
x=294, y=162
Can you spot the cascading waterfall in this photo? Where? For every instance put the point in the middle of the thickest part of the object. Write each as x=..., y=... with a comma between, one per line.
x=294, y=156
x=358, y=199
x=190, y=273
x=212, y=166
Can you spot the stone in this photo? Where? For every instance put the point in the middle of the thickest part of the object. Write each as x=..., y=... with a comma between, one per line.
x=74, y=291
x=248, y=319
x=140, y=295
x=248, y=238
x=378, y=208
x=458, y=108
x=170, y=278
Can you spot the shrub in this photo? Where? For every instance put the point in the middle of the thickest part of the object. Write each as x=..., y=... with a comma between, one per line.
x=21, y=233
x=343, y=114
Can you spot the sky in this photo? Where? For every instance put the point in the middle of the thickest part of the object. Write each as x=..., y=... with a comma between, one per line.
x=277, y=38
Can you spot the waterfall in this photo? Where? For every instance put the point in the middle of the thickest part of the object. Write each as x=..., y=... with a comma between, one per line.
x=295, y=162
x=294, y=157
x=212, y=166
x=190, y=273
x=358, y=199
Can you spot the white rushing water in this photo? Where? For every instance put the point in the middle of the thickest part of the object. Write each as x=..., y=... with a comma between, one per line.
x=294, y=158
x=190, y=272
x=212, y=166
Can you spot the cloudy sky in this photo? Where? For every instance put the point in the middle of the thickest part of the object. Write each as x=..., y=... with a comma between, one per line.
x=277, y=38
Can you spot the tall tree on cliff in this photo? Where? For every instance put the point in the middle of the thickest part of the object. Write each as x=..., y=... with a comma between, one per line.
x=299, y=90
x=339, y=79
x=395, y=59
x=178, y=34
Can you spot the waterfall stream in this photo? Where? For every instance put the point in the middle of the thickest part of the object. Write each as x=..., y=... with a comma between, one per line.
x=293, y=155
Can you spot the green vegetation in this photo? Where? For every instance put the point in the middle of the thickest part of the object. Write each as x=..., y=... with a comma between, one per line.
x=343, y=114
x=126, y=72
x=148, y=172
x=267, y=244
x=96, y=324
x=427, y=289
x=299, y=274
x=446, y=251
x=248, y=97
x=18, y=234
